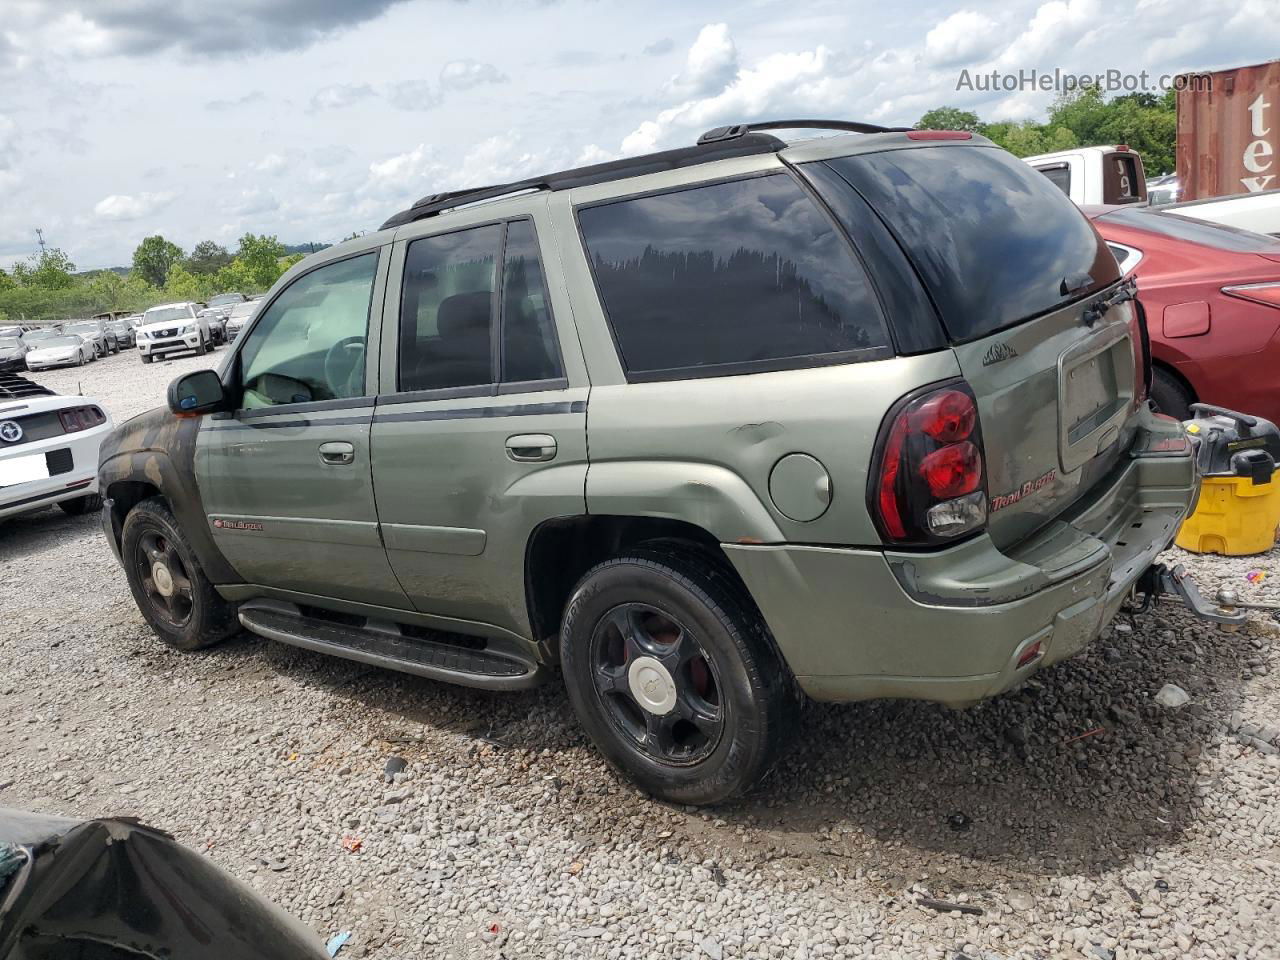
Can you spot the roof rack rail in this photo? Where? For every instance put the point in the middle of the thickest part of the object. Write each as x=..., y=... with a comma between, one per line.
x=742, y=145
x=734, y=131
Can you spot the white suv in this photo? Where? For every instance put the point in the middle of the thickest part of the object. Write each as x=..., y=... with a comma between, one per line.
x=173, y=328
x=48, y=448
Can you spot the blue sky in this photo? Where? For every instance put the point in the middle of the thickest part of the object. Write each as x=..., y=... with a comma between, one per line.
x=313, y=118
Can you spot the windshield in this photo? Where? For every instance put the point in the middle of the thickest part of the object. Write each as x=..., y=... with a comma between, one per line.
x=241, y=310
x=1216, y=235
x=39, y=334
x=61, y=341
x=9, y=343
x=166, y=314
x=993, y=240
x=87, y=327
x=224, y=298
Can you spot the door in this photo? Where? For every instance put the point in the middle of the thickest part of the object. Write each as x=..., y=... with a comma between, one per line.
x=286, y=479
x=480, y=433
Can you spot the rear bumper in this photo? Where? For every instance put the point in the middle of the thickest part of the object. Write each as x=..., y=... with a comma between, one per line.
x=79, y=479
x=952, y=625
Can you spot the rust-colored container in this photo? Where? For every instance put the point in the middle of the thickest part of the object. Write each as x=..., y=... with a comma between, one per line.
x=1229, y=131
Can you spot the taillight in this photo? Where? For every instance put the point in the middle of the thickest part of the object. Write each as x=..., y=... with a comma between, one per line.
x=75, y=419
x=939, y=135
x=928, y=484
x=1268, y=293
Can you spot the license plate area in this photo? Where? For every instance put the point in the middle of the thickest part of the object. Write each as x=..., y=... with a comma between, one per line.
x=1095, y=392
x=23, y=470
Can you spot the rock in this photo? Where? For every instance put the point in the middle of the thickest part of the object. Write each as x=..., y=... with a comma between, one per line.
x=958, y=821
x=1173, y=696
x=711, y=948
x=1020, y=901
x=393, y=766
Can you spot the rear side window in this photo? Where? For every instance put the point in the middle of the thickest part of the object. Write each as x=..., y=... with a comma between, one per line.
x=1219, y=236
x=1120, y=180
x=994, y=241
x=1059, y=175
x=729, y=278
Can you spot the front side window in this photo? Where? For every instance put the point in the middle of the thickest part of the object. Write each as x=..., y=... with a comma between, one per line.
x=729, y=277
x=310, y=343
x=1059, y=176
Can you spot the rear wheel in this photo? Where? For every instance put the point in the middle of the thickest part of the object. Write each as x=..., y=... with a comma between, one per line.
x=1170, y=396
x=81, y=505
x=170, y=588
x=674, y=677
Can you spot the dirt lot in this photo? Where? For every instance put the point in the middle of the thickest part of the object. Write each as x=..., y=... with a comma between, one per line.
x=1081, y=817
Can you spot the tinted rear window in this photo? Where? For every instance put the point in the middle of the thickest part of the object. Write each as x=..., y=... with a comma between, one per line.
x=994, y=241
x=1216, y=235
x=729, y=277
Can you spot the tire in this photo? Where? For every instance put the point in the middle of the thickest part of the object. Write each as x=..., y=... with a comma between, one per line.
x=81, y=505
x=683, y=609
x=190, y=617
x=203, y=348
x=146, y=357
x=1170, y=396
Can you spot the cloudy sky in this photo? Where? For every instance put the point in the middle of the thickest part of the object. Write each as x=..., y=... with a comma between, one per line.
x=202, y=119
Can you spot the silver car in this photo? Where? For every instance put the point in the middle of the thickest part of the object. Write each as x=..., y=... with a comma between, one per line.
x=95, y=331
x=66, y=350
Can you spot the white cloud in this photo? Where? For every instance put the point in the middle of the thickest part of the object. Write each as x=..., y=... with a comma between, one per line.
x=340, y=95
x=412, y=95
x=465, y=74
x=123, y=206
x=255, y=202
x=963, y=37
x=712, y=62
x=271, y=163
x=810, y=83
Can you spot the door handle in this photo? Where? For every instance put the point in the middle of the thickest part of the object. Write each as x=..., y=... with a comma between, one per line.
x=531, y=447
x=337, y=453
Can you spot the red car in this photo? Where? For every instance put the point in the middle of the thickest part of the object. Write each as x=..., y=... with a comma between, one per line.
x=1212, y=295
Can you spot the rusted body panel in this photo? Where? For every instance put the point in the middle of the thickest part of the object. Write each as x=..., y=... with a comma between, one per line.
x=1229, y=131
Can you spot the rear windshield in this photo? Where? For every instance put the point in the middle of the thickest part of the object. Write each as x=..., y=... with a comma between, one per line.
x=994, y=241
x=1216, y=235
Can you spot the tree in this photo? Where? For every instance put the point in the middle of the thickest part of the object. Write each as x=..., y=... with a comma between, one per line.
x=154, y=257
x=260, y=258
x=182, y=284
x=207, y=258
x=50, y=269
x=949, y=118
x=6, y=281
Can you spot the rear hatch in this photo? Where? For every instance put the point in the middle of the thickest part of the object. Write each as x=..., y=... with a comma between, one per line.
x=1014, y=270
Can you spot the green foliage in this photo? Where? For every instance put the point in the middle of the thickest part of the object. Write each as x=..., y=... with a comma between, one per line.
x=1144, y=121
x=207, y=258
x=6, y=281
x=949, y=118
x=51, y=269
x=259, y=257
x=154, y=257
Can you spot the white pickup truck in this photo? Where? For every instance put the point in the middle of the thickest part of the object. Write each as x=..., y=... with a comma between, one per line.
x=1092, y=175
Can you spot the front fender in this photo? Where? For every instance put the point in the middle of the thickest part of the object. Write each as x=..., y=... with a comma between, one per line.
x=703, y=494
x=154, y=453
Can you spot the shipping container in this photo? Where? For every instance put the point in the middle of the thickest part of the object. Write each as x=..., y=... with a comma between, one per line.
x=1229, y=131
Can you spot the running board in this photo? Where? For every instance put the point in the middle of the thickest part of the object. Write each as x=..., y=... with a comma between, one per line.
x=386, y=645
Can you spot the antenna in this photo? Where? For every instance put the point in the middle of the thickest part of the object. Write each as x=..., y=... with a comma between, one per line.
x=40, y=240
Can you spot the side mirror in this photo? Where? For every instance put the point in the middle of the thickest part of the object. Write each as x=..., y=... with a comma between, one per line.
x=195, y=393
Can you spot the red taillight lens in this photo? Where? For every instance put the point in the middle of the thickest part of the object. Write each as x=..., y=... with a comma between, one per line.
x=953, y=470
x=928, y=485
x=75, y=419
x=1267, y=293
x=947, y=416
x=939, y=135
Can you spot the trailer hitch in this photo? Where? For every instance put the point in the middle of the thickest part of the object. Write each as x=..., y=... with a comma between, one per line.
x=1175, y=584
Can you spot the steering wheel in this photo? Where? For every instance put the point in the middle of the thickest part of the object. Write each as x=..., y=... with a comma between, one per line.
x=342, y=362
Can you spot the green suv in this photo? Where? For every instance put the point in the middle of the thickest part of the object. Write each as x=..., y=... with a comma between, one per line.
x=707, y=432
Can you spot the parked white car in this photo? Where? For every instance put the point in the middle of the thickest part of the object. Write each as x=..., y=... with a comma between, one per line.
x=173, y=328
x=64, y=350
x=48, y=448
x=1090, y=175
x=1259, y=212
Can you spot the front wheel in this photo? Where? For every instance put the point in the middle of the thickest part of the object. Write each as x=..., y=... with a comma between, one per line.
x=170, y=588
x=674, y=676
x=146, y=357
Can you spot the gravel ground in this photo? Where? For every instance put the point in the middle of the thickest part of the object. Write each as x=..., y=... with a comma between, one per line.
x=1081, y=817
